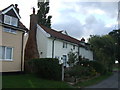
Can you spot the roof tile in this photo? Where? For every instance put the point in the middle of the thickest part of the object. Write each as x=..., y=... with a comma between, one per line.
x=60, y=35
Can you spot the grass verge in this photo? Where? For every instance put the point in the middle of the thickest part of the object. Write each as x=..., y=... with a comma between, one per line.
x=93, y=81
x=31, y=81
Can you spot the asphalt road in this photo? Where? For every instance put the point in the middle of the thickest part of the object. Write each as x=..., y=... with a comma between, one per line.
x=111, y=82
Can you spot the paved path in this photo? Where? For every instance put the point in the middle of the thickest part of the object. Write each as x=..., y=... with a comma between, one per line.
x=111, y=82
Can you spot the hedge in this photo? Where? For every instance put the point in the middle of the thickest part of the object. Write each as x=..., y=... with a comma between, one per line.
x=96, y=65
x=47, y=68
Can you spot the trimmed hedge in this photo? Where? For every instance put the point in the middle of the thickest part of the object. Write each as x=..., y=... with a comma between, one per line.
x=47, y=68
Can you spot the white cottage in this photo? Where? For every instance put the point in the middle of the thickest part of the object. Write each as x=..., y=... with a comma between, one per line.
x=55, y=44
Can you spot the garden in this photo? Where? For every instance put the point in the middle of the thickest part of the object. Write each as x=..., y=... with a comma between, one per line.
x=47, y=73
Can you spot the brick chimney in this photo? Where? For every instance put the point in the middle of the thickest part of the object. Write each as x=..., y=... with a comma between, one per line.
x=16, y=7
x=31, y=50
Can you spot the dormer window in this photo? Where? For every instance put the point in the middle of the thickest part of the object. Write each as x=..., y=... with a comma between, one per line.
x=10, y=20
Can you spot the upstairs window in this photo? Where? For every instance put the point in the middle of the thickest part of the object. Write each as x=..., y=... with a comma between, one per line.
x=10, y=20
x=64, y=45
x=73, y=46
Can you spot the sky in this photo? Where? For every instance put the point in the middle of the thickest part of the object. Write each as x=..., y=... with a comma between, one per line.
x=79, y=18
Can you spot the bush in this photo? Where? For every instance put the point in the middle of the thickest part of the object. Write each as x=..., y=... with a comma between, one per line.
x=98, y=67
x=81, y=71
x=47, y=68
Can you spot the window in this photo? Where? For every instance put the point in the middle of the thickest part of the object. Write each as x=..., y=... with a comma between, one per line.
x=64, y=60
x=6, y=53
x=64, y=45
x=10, y=20
x=5, y=29
x=73, y=46
x=7, y=19
x=14, y=21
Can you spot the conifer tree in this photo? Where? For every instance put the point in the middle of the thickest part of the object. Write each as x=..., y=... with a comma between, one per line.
x=43, y=19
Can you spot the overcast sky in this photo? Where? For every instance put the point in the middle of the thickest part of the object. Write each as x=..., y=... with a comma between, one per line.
x=79, y=19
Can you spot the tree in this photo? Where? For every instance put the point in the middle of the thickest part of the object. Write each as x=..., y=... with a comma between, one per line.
x=103, y=47
x=42, y=14
x=115, y=34
x=72, y=58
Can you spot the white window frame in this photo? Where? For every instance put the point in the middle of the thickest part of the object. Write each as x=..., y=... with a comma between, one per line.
x=64, y=45
x=64, y=57
x=5, y=58
x=74, y=47
x=11, y=19
x=9, y=30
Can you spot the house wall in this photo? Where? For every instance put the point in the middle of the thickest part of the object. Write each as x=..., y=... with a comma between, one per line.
x=59, y=51
x=88, y=54
x=42, y=42
x=0, y=44
x=45, y=45
x=14, y=41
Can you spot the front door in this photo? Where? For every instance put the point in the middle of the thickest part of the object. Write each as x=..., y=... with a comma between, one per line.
x=65, y=60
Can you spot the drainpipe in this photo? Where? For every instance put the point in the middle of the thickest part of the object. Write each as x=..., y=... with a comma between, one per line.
x=53, y=47
x=78, y=51
x=22, y=51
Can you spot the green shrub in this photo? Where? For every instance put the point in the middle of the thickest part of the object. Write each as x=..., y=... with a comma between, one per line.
x=98, y=67
x=79, y=71
x=47, y=68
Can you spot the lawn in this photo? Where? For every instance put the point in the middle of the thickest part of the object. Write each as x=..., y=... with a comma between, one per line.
x=30, y=81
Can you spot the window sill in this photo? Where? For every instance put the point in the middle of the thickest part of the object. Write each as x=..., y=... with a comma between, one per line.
x=6, y=60
x=10, y=32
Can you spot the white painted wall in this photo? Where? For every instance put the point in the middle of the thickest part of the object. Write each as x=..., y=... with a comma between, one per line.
x=45, y=42
x=88, y=54
x=42, y=42
x=59, y=51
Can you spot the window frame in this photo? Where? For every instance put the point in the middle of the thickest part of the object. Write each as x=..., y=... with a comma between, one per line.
x=10, y=20
x=64, y=58
x=5, y=54
x=74, y=47
x=64, y=44
x=9, y=30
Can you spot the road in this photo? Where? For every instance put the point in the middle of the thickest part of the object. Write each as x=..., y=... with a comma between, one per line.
x=111, y=82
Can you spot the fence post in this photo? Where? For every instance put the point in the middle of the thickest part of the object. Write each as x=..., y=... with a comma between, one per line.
x=62, y=72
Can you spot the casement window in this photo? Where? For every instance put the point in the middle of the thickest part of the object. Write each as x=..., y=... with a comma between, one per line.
x=10, y=30
x=73, y=46
x=6, y=53
x=10, y=20
x=64, y=45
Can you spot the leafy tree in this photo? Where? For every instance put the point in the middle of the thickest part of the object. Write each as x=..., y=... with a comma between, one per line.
x=115, y=34
x=72, y=58
x=103, y=47
x=42, y=14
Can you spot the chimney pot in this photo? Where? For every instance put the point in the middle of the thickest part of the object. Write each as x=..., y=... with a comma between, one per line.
x=33, y=10
x=16, y=7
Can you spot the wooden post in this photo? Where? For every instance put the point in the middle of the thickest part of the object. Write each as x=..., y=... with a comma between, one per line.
x=62, y=72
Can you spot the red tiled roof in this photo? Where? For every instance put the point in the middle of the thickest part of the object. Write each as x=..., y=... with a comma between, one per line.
x=59, y=35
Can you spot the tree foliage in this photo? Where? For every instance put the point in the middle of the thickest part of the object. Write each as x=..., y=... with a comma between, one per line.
x=43, y=19
x=103, y=47
x=115, y=34
x=72, y=58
